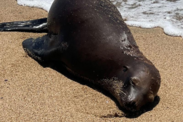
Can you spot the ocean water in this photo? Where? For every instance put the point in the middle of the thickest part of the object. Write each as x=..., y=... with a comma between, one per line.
x=167, y=14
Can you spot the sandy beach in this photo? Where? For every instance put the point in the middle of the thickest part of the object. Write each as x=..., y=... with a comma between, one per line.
x=32, y=93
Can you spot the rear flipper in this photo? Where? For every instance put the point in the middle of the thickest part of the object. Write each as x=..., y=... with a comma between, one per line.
x=37, y=26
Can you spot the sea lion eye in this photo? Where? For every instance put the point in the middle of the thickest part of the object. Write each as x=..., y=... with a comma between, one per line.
x=125, y=68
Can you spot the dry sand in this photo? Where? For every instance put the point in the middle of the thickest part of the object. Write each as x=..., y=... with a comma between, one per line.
x=29, y=92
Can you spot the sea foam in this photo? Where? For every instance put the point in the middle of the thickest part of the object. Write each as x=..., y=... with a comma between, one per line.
x=167, y=14
x=43, y=4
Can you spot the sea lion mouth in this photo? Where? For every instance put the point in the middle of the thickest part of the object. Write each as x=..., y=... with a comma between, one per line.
x=131, y=106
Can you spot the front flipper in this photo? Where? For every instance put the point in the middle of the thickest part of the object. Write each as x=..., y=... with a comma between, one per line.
x=46, y=48
x=37, y=26
x=36, y=48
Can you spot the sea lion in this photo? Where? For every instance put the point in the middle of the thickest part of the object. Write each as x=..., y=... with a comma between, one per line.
x=90, y=38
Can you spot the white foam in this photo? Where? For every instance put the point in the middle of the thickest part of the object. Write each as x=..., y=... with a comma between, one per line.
x=153, y=13
x=43, y=4
x=142, y=13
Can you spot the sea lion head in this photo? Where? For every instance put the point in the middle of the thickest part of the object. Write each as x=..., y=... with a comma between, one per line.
x=140, y=86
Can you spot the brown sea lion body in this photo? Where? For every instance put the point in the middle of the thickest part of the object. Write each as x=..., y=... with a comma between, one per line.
x=90, y=38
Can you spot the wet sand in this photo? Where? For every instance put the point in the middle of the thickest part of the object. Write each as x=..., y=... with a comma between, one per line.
x=30, y=92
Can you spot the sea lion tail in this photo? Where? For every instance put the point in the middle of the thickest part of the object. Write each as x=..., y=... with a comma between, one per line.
x=35, y=26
